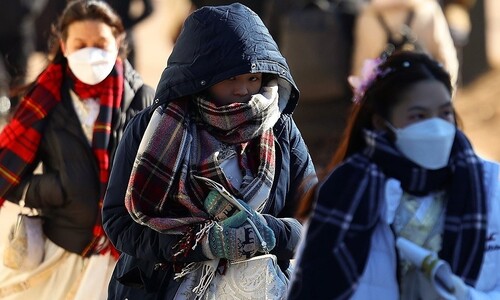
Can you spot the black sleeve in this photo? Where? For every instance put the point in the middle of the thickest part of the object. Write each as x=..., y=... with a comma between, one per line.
x=137, y=240
x=302, y=174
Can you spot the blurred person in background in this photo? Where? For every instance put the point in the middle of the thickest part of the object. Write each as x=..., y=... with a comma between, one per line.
x=404, y=169
x=17, y=43
x=457, y=13
x=70, y=120
x=132, y=12
x=428, y=27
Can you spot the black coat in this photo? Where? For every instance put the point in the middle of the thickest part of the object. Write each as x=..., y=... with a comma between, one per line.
x=135, y=276
x=215, y=44
x=68, y=191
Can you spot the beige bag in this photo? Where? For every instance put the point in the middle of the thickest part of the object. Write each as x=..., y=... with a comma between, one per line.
x=259, y=277
x=26, y=243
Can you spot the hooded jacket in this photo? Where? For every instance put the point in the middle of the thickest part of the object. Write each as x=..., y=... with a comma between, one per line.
x=216, y=43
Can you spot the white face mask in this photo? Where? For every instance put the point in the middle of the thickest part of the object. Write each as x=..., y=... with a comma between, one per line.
x=426, y=143
x=92, y=65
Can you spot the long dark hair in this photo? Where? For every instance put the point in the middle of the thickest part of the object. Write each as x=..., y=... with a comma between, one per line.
x=395, y=75
x=81, y=10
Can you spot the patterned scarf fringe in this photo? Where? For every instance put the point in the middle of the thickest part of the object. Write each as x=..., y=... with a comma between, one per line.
x=208, y=272
x=191, y=238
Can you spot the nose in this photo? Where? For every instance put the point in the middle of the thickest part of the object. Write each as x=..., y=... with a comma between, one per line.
x=240, y=90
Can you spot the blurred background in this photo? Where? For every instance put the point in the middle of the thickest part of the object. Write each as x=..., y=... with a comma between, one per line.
x=316, y=39
x=320, y=120
x=326, y=28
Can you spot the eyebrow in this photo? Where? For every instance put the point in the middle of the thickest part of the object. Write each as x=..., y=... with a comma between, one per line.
x=99, y=39
x=417, y=107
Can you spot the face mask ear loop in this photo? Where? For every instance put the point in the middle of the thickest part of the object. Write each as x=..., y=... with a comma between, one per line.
x=391, y=127
x=392, y=131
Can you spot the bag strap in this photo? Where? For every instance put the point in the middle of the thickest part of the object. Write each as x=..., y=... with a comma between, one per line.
x=25, y=210
x=33, y=280
x=384, y=25
x=409, y=19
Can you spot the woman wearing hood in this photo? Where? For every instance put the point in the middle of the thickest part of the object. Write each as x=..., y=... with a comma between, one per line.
x=222, y=112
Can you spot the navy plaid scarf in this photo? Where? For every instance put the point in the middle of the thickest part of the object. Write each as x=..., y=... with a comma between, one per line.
x=464, y=234
x=349, y=202
x=162, y=192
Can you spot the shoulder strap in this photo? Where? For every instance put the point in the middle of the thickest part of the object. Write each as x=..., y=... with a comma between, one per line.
x=34, y=279
x=409, y=37
x=384, y=24
x=405, y=30
x=409, y=17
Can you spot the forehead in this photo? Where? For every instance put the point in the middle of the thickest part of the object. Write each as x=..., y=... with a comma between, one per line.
x=89, y=30
x=427, y=94
x=245, y=76
x=238, y=79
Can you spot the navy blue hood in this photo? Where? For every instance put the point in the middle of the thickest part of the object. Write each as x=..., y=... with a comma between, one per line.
x=219, y=42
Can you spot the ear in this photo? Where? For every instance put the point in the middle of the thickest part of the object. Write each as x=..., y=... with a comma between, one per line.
x=378, y=122
x=119, y=41
x=63, y=47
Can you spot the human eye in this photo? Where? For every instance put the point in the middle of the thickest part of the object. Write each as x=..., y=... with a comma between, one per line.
x=101, y=46
x=414, y=117
x=447, y=114
x=255, y=78
x=78, y=46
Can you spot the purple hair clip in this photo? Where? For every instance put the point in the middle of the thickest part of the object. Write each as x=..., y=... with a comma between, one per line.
x=369, y=73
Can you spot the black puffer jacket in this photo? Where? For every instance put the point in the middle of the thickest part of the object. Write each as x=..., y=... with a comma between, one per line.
x=216, y=43
x=68, y=190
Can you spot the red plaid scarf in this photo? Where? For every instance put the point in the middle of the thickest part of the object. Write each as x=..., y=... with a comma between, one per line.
x=163, y=194
x=20, y=139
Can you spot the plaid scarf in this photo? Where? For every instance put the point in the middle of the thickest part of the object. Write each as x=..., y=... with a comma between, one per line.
x=20, y=139
x=162, y=192
x=349, y=220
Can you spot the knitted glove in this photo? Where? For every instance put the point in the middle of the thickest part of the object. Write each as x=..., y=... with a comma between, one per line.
x=218, y=206
x=236, y=239
x=267, y=239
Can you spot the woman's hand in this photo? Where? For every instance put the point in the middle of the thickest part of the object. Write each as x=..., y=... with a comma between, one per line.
x=218, y=207
x=241, y=236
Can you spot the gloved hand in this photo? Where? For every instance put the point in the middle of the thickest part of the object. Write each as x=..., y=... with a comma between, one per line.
x=236, y=239
x=218, y=206
x=461, y=291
